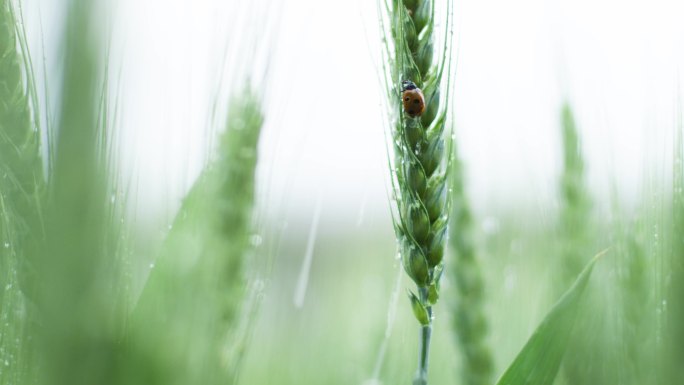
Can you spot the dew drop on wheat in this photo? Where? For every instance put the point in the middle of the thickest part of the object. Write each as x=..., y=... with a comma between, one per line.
x=490, y=225
x=259, y=285
x=7, y=245
x=255, y=240
x=510, y=280
x=152, y=265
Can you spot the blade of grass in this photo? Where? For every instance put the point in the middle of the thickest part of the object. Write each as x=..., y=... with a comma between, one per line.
x=539, y=360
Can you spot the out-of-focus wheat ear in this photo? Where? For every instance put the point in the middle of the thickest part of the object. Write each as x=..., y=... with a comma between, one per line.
x=197, y=285
x=637, y=303
x=468, y=315
x=576, y=204
x=22, y=193
x=576, y=240
x=673, y=274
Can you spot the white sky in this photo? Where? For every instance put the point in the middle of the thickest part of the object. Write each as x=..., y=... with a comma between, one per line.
x=620, y=63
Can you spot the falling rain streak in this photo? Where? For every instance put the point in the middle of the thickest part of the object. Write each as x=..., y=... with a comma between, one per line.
x=303, y=281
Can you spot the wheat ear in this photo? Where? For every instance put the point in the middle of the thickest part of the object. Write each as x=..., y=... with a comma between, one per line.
x=197, y=285
x=420, y=161
x=469, y=319
x=22, y=194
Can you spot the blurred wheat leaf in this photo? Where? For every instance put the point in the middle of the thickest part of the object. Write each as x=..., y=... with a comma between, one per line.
x=539, y=360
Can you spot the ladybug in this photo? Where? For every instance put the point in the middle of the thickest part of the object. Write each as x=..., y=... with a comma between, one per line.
x=413, y=99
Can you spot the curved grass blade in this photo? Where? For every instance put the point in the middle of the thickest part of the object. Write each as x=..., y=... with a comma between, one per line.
x=539, y=360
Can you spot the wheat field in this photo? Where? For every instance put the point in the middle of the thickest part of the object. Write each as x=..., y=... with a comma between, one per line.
x=231, y=192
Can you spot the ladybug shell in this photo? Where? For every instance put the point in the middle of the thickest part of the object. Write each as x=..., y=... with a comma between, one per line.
x=414, y=102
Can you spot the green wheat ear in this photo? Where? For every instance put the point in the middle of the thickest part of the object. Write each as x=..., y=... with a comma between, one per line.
x=575, y=219
x=191, y=304
x=469, y=319
x=420, y=153
x=22, y=193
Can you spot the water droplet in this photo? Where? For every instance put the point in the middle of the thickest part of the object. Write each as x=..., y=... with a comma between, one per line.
x=9, y=286
x=490, y=225
x=152, y=265
x=7, y=245
x=6, y=363
x=259, y=285
x=170, y=226
x=255, y=240
x=112, y=199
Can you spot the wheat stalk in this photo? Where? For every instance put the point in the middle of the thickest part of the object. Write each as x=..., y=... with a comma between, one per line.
x=420, y=160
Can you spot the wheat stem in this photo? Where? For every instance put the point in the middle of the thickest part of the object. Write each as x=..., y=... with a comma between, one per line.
x=424, y=345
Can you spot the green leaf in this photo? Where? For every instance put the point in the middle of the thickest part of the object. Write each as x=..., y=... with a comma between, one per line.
x=539, y=360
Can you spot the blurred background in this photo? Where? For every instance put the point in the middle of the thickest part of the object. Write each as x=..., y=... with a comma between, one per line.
x=334, y=308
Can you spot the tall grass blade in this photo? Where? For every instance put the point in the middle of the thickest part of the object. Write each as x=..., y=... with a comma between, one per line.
x=539, y=360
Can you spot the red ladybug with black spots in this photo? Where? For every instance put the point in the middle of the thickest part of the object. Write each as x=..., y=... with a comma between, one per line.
x=413, y=99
